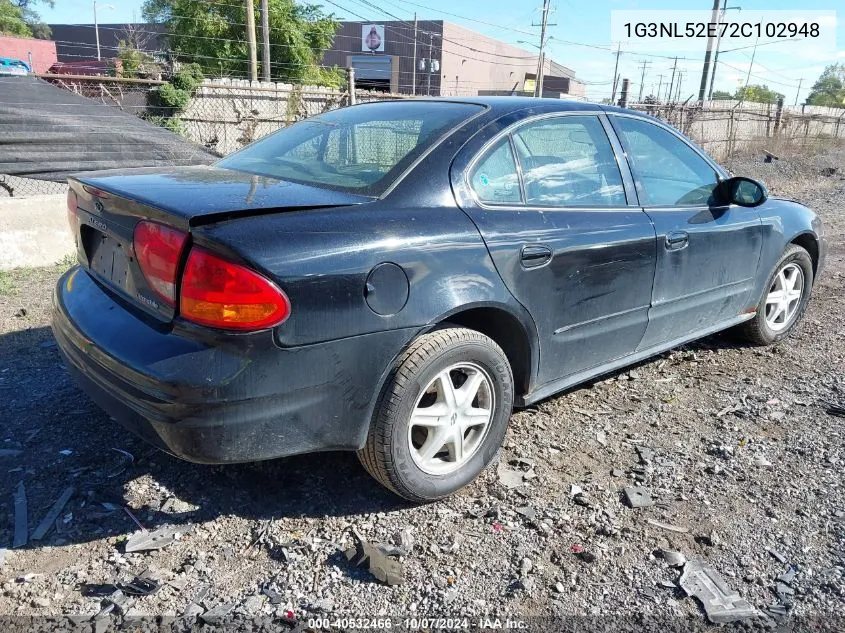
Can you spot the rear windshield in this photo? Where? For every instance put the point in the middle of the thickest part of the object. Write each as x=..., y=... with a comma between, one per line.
x=360, y=150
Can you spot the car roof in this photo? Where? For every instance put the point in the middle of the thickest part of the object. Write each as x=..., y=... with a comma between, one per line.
x=503, y=104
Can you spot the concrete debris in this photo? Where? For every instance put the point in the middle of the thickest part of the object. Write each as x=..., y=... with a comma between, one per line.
x=510, y=478
x=50, y=518
x=157, y=539
x=528, y=512
x=216, y=615
x=384, y=568
x=638, y=497
x=673, y=558
x=777, y=555
x=710, y=539
x=645, y=454
x=272, y=595
x=391, y=550
x=21, y=517
x=720, y=602
x=789, y=575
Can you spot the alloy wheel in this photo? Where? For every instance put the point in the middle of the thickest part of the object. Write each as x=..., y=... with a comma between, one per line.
x=784, y=297
x=451, y=418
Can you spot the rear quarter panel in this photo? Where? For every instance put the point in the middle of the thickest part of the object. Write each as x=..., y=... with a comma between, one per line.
x=322, y=259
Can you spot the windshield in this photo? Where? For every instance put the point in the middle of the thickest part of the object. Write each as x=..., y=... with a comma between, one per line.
x=362, y=149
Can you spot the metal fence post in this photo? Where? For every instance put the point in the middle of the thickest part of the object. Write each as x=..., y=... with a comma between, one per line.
x=350, y=79
x=778, y=116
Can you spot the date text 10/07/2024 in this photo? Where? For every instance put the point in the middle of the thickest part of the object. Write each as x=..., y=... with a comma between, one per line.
x=725, y=29
x=417, y=623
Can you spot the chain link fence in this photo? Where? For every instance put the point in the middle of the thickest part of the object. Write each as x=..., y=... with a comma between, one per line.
x=225, y=115
x=723, y=128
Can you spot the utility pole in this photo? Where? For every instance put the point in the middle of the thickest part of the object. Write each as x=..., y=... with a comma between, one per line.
x=265, y=40
x=680, y=83
x=250, y=38
x=414, y=71
x=716, y=56
x=659, y=86
x=798, y=92
x=714, y=19
x=642, y=81
x=538, y=86
x=672, y=82
x=615, y=70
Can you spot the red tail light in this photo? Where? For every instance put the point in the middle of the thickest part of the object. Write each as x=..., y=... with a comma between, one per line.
x=72, y=212
x=158, y=249
x=222, y=294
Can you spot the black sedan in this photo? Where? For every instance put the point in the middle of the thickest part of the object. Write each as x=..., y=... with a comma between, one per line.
x=393, y=278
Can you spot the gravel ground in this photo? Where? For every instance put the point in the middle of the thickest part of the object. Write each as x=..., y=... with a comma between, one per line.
x=735, y=445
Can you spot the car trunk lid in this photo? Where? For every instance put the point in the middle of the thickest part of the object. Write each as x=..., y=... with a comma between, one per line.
x=111, y=204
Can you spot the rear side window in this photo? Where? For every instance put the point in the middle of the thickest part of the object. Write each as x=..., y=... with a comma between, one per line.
x=494, y=179
x=667, y=171
x=361, y=150
x=568, y=161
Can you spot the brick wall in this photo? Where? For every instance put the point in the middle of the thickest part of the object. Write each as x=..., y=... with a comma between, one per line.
x=43, y=51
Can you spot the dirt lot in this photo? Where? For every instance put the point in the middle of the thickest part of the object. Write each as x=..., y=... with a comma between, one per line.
x=734, y=443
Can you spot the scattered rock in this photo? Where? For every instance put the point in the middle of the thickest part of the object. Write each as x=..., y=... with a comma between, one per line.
x=638, y=497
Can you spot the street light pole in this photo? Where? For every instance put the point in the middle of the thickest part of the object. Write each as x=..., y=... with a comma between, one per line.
x=96, y=30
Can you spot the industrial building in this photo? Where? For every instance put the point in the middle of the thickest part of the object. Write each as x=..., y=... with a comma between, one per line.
x=438, y=58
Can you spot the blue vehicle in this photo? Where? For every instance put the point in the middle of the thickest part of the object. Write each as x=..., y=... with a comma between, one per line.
x=13, y=67
x=393, y=278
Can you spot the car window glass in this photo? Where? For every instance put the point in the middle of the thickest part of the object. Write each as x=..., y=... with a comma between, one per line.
x=494, y=179
x=360, y=150
x=568, y=161
x=666, y=170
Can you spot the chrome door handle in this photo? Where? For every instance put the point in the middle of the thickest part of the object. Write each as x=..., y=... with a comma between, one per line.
x=677, y=240
x=535, y=255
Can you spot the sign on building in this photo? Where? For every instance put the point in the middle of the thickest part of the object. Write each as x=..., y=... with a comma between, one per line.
x=372, y=38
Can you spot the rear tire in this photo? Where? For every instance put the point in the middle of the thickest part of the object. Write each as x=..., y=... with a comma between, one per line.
x=774, y=320
x=442, y=416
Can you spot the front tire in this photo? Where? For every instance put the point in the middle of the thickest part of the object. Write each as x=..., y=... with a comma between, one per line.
x=442, y=416
x=785, y=300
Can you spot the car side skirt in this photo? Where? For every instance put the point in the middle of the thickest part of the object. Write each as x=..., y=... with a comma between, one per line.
x=551, y=388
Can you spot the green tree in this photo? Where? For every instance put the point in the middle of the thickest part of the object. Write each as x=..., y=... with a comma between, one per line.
x=829, y=89
x=758, y=94
x=11, y=20
x=212, y=33
x=722, y=95
x=32, y=19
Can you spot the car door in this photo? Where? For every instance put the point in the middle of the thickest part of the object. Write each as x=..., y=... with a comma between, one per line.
x=548, y=196
x=707, y=253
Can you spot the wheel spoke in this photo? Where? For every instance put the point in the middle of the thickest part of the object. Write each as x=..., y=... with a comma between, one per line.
x=446, y=390
x=436, y=415
x=475, y=416
x=434, y=443
x=775, y=297
x=469, y=389
x=456, y=446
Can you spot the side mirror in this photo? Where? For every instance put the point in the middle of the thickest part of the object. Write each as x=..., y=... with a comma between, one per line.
x=744, y=192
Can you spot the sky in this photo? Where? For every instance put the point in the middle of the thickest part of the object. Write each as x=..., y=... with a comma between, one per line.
x=579, y=37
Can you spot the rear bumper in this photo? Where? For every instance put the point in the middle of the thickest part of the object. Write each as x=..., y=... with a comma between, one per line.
x=230, y=398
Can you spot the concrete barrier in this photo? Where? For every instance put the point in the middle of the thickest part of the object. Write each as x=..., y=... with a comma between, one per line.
x=34, y=231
